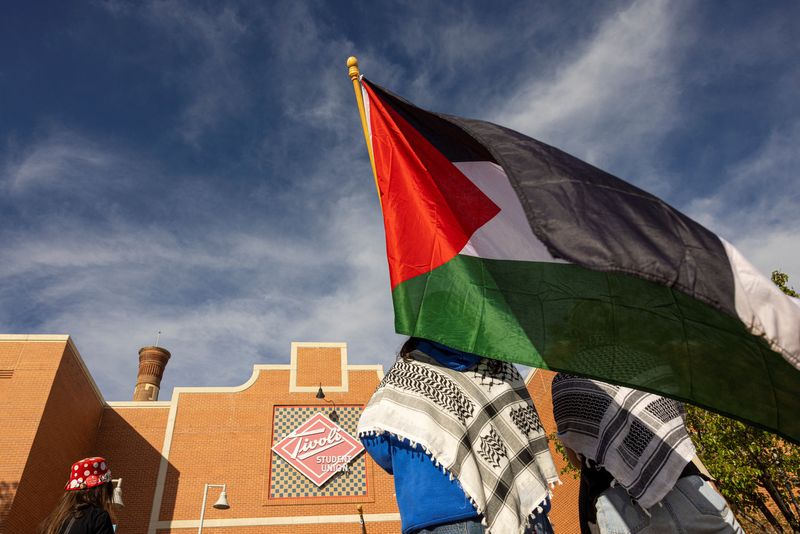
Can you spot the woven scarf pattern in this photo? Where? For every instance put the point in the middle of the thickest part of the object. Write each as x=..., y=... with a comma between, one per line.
x=639, y=438
x=479, y=426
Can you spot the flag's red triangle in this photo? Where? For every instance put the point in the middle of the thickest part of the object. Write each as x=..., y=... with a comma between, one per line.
x=430, y=209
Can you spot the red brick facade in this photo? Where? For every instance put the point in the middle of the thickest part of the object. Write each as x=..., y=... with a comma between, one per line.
x=49, y=411
x=165, y=452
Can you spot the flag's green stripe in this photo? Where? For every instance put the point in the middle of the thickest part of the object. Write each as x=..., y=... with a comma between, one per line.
x=608, y=326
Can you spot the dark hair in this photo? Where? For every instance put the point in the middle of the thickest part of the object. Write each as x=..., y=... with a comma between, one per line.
x=408, y=347
x=74, y=504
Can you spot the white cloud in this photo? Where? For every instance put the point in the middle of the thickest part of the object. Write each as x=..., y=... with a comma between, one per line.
x=210, y=75
x=114, y=304
x=225, y=297
x=214, y=79
x=61, y=160
x=756, y=207
x=613, y=97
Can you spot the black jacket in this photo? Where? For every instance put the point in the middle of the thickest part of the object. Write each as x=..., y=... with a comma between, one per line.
x=91, y=521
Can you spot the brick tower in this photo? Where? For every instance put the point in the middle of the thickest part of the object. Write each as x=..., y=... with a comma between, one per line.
x=152, y=361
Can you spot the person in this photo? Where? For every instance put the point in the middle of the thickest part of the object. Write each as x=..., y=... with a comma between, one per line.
x=637, y=461
x=463, y=440
x=87, y=504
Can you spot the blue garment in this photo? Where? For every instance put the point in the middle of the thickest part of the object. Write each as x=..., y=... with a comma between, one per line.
x=540, y=523
x=447, y=357
x=425, y=495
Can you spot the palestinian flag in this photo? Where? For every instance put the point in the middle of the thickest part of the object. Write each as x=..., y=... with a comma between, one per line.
x=503, y=246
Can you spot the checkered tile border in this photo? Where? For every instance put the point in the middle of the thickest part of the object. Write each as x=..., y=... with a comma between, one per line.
x=287, y=482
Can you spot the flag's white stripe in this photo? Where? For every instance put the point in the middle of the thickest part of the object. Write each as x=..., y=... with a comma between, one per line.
x=365, y=98
x=764, y=309
x=508, y=236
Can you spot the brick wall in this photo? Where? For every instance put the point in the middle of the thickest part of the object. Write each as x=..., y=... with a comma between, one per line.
x=130, y=438
x=564, y=514
x=23, y=394
x=50, y=413
x=319, y=365
x=226, y=437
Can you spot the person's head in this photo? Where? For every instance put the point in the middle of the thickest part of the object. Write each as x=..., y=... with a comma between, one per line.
x=408, y=347
x=89, y=484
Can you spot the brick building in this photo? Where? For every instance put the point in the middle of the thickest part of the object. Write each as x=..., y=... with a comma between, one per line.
x=52, y=412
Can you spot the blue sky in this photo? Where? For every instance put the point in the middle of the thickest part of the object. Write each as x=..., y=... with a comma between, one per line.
x=198, y=168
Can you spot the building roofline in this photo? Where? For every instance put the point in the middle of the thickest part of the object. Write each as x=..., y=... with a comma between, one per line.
x=531, y=373
x=257, y=369
x=69, y=343
x=139, y=404
x=34, y=337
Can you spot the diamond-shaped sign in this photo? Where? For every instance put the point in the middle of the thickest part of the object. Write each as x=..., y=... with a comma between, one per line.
x=319, y=448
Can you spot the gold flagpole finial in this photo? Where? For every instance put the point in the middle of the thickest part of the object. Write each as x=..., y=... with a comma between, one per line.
x=352, y=63
x=355, y=76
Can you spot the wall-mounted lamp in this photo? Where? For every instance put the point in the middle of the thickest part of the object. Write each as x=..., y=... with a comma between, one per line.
x=333, y=416
x=117, y=498
x=221, y=504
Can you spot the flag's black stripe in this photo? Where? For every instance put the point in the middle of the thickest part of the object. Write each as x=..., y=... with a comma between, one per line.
x=592, y=218
x=446, y=137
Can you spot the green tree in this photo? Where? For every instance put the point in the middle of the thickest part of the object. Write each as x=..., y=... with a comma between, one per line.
x=756, y=471
x=782, y=280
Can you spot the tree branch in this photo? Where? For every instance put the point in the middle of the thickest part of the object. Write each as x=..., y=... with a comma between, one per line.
x=776, y=495
x=771, y=518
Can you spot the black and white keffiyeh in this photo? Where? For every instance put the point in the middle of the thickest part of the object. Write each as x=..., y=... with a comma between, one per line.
x=480, y=426
x=639, y=438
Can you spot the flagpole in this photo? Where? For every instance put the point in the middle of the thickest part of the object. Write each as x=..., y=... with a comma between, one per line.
x=352, y=64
